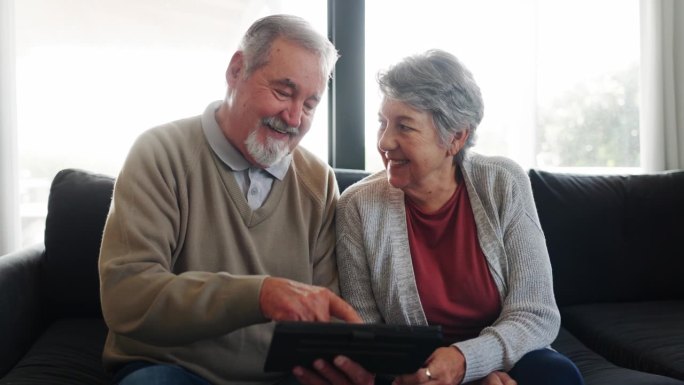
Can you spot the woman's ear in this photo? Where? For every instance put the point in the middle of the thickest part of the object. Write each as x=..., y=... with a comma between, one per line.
x=458, y=142
x=235, y=68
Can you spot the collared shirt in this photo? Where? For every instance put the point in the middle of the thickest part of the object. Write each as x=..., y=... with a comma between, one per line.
x=254, y=181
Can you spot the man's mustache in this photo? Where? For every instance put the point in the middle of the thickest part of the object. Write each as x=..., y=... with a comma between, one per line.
x=280, y=125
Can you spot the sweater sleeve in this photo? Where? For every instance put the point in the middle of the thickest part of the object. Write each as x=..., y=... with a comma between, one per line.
x=141, y=297
x=324, y=266
x=355, y=275
x=529, y=319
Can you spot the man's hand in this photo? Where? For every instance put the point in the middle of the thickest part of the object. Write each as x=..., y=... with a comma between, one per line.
x=343, y=371
x=286, y=300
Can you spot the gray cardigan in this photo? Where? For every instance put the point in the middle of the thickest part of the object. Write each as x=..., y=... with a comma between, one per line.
x=376, y=272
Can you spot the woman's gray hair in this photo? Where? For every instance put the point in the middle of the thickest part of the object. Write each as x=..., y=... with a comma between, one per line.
x=257, y=41
x=437, y=82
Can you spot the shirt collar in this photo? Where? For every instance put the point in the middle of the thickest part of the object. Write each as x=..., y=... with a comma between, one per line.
x=228, y=153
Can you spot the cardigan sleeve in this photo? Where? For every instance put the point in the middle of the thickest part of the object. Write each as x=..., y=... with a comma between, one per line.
x=352, y=262
x=529, y=319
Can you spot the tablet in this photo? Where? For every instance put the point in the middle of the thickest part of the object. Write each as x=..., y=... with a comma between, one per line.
x=379, y=348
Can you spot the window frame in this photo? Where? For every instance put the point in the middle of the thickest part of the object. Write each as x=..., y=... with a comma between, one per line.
x=346, y=113
x=346, y=131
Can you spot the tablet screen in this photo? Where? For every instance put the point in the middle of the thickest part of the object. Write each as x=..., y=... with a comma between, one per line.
x=379, y=348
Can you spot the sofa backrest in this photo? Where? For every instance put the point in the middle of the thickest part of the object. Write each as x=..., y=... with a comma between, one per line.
x=346, y=177
x=613, y=238
x=77, y=209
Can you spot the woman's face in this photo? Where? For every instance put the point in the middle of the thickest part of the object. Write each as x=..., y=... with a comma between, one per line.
x=415, y=159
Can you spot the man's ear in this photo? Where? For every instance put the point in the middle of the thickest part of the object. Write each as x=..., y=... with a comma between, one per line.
x=458, y=142
x=235, y=68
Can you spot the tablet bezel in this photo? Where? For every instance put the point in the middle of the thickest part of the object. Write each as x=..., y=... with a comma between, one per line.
x=379, y=348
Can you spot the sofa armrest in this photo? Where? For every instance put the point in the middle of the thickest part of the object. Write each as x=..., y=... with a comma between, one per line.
x=20, y=303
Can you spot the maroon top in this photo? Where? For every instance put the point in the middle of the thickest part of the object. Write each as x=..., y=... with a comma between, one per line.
x=455, y=285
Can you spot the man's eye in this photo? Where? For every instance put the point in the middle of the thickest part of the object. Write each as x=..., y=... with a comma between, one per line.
x=404, y=127
x=283, y=93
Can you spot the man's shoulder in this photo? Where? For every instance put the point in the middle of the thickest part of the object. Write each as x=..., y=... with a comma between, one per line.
x=307, y=160
x=312, y=172
x=178, y=131
x=174, y=144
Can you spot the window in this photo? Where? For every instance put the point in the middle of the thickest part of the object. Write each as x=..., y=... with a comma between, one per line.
x=559, y=78
x=92, y=75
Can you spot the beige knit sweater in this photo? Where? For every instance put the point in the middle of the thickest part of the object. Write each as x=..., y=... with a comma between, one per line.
x=183, y=256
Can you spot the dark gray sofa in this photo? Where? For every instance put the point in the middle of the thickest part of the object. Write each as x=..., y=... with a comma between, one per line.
x=615, y=244
x=623, y=318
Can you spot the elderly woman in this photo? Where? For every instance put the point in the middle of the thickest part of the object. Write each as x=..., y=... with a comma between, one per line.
x=444, y=236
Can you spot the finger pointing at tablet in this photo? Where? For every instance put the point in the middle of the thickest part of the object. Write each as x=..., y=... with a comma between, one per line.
x=339, y=308
x=286, y=300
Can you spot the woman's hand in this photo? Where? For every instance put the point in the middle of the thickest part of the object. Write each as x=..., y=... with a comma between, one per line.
x=498, y=378
x=446, y=366
x=343, y=372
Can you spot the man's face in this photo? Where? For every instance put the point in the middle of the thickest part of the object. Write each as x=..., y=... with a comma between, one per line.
x=272, y=108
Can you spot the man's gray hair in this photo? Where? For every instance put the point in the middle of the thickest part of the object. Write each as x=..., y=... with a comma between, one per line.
x=257, y=41
x=437, y=82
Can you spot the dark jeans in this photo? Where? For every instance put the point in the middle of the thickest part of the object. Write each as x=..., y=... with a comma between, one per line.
x=146, y=373
x=539, y=367
x=544, y=367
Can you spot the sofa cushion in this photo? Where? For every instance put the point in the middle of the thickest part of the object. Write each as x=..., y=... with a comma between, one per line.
x=77, y=209
x=647, y=336
x=69, y=352
x=612, y=238
x=596, y=370
x=21, y=305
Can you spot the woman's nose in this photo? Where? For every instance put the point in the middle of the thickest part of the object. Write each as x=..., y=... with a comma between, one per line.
x=385, y=140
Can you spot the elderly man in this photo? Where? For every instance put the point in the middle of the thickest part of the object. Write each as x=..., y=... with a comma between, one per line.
x=219, y=223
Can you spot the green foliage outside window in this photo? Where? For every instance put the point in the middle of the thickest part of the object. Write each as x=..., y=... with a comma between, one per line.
x=594, y=124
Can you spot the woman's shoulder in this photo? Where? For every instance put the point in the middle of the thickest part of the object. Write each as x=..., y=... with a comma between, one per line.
x=493, y=168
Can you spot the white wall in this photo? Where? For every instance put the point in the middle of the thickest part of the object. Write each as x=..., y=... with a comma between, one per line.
x=9, y=195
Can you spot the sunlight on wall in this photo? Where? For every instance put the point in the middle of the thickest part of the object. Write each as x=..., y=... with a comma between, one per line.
x=92, y=76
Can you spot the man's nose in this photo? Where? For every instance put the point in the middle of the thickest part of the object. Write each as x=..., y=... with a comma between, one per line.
x=293, y=114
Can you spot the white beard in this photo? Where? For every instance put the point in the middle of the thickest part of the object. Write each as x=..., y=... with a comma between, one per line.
x=268, y=153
